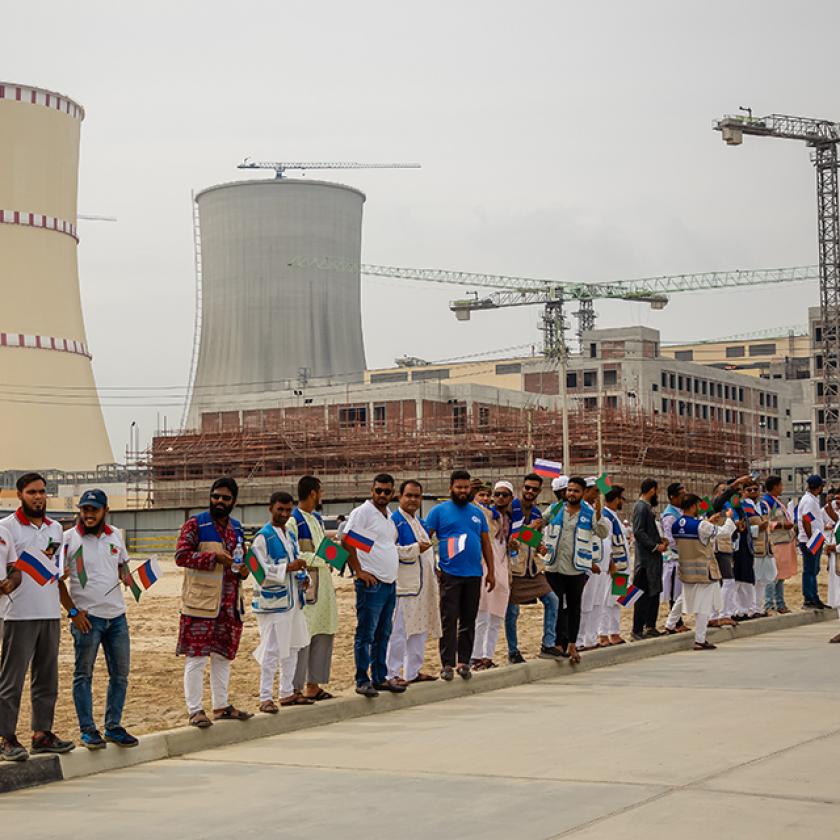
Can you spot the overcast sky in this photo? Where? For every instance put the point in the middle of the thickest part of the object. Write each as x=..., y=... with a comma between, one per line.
x=558, y=139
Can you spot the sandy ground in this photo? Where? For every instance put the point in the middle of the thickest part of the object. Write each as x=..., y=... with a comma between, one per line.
x=155, y=695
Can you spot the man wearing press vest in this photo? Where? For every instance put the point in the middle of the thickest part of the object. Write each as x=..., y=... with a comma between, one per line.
x=32, y=622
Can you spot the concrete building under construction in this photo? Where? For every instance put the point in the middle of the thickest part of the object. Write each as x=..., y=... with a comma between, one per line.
x=631, y=411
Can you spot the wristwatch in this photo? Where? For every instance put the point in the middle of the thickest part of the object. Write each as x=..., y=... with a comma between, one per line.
x=72, y=612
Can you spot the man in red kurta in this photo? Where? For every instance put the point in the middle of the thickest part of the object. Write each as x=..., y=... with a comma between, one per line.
x=211, y=610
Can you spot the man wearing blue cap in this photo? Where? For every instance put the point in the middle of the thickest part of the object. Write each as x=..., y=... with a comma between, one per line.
x=95, y=556
x=811, y=521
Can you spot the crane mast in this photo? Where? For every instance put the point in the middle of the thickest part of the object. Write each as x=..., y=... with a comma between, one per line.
x=822, y=136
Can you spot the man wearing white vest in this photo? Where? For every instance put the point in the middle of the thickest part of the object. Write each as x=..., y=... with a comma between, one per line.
x=699, y=572
x=31, y=622
x=597, y=583
x=417, y=615
x=278, y=603
x=617, y=555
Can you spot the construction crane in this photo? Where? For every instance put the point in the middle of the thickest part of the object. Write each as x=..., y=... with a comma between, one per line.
x=280, y=166
x=823, y=137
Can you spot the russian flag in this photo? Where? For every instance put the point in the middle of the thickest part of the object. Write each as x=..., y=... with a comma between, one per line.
x=816, y=542
x=359, y=541
x=631, y=596
x=35, y=567
x=548, y=469
x=809, y=517
x=148, y=573
x=455, y=545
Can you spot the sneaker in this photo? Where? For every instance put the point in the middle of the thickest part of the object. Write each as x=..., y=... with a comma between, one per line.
x=92, y=740
x=447, y=673
x=13, y=750
x=464, y=672
x=367, y=690
x=49, y=742
x=552, y=652
x=120, y=737
x=516, y=658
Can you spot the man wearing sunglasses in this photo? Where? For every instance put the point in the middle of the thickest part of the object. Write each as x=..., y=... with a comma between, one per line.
x=211, y=603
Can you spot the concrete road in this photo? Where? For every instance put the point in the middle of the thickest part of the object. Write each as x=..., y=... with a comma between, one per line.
x=739, y=743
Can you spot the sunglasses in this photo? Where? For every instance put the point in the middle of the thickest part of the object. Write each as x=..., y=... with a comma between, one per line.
x=382, y=491
x=219, y=497
x=531, y=488
x=503, y=493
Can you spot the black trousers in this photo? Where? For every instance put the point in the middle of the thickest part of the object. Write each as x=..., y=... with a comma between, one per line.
x=569, y=589
x=645, y=613
x=32, y=642
x=459, y=597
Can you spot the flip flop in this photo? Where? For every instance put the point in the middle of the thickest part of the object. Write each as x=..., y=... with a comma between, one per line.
x=321, y=695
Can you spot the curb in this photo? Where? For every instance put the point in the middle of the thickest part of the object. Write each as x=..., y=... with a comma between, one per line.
x=173, y=743
x=23, y=774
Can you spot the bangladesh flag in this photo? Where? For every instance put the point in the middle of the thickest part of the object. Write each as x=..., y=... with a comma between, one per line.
x=332, y=553
x=619, y=584
x=136, y=591
x=604, y=483
x=255, y=567
x=81, y=572
x=530, y=536
x=705, y=505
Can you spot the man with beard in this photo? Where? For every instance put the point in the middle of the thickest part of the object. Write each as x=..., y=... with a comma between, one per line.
x=597, y=583
x=464, y=539
x=32, y=623
x=97, y=561
x=647, y=574
x=211, y=603
x=370, y=538
x=618, y=558
x=671, y=586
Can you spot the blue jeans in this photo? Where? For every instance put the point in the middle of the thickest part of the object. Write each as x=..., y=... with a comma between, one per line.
x=551, y=603
x=374, y=618
x=112, y=634
x=810, y=570
x=774, y=596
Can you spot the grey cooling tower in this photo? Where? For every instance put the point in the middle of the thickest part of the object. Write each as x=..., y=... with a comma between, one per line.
x=262, y=319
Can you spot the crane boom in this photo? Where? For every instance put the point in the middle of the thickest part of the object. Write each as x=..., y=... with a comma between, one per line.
x=280, y=166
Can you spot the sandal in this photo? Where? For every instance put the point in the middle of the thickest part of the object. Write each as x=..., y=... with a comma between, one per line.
x=269, y=707
x=232, y=713
x=297, y=700
x=321, y=695
x=200, y=720
x=424, y=678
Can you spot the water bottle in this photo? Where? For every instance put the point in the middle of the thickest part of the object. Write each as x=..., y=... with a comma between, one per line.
x=238, y=555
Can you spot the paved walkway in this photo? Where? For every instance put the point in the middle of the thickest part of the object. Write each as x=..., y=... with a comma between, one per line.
x=743, y=742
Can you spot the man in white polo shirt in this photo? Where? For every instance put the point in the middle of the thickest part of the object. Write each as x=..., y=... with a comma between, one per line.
x=97, y=561
x=31, y=623
x=370, y=537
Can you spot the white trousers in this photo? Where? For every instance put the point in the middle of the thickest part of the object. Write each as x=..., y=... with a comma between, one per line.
x=701, y=622
x=268, y=671
x=676, y=614
x=589, y=624
x=728, y=593
x=744, y=598
x=194, y=681
x=486, y=635
x=610, y=620
x=761, y=593
x=405, y=653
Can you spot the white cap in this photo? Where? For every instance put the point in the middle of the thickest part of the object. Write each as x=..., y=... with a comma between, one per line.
x=591, y=480
x=560, y=483
x=504, y=485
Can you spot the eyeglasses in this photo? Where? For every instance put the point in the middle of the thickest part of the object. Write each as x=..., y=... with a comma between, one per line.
x=219, y=497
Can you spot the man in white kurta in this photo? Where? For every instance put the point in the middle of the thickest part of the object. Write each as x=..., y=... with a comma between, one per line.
x=417, y=615
x=699, y=571
x=278, y=604
x=598, y=583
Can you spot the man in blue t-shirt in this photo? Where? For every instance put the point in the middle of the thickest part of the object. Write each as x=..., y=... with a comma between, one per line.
x=463, y=540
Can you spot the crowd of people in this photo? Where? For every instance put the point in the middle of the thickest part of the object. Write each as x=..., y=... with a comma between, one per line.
x=456, y=576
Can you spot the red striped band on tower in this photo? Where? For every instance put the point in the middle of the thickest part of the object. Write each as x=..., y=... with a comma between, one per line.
x=44, y=342
x=39, y=220
x=45, y=98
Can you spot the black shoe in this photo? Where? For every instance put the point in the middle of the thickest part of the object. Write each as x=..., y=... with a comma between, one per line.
x=367, y=690
x=652, y=633
x=464, y=672
x=447, y=673
x=637, y=637
x=93, y=740
x=516, y=658
x=390, y=685
x=120, y=737
x=811, y=605
x=13, y=750
x=820, y=605
x=552, y=652
x=49, y=742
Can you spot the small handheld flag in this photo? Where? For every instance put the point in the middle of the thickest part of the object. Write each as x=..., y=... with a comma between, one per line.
x=332, y=553
x=809, y=517
x=619, y=585
x=548, y=469
x=254, y=566
x=136, y=591
x=816, y=542
x=359, y=540
x=79, y=562
x=631, y=596
x=148, y=572
x=604, y=483
x=705, y=504
x=454, y=545
x=530, y=536
x=34, y=564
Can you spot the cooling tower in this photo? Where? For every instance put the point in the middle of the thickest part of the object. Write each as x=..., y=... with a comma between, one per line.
x=44, y=358
x=262, y=319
